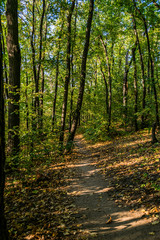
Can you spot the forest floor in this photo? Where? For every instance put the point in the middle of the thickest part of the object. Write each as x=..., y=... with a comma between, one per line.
x=114, y=189
x=108, y=190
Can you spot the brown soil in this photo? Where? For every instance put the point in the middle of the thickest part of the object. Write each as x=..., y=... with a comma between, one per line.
x=99, y=215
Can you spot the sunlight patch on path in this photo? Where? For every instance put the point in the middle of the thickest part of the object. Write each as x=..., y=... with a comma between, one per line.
x=94, y=205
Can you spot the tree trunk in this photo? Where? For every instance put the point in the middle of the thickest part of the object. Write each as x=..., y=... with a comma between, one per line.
x=143, y=72
x=3, y=225
x=125, y=88
x=56, y=80
x=55, y=91
x=42, y=83
x=82, y=79
x=4, y=63
x=27, y=109
x=135, y=90
x=106, y=88
x=14, y=78
x=72, y=91
x=36, y=70
x=72, y=70
x=154, y=139
x=152, y=71
x=67, y=78
x=109, y=81
x=40, y=108
x=151, y=65
x=41, y=100
x=34, y=101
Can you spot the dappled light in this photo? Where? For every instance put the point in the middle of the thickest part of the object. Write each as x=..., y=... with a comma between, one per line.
x=98, y=215
x=79, y=120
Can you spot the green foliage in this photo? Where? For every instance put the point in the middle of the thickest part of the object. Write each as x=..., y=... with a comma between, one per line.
x=112, y=20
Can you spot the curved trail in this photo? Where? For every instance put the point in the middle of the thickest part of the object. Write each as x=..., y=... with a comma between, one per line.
x=99, y=217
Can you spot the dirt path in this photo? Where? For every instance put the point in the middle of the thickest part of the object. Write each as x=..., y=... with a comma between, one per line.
x=99, y=217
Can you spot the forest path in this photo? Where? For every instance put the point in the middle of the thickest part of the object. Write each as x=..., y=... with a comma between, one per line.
x=97, y=214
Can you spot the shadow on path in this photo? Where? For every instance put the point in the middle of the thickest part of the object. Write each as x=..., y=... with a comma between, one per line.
x=95, y=207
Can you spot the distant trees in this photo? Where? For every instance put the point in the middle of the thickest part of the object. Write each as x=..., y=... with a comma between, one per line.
x=121, y=68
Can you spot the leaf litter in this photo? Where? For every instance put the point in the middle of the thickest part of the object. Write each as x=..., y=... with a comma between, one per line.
x=131, y=166
x=37, y=205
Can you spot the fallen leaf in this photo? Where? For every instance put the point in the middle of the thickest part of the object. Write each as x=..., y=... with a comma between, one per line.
x=109, y=221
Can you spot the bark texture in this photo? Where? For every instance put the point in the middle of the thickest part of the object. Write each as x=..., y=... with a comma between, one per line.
x=14, y=77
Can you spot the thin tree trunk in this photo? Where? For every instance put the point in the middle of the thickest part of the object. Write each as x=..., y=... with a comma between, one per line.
x=56, y=80
x=36, y=72
x=34, y=66
x=72, y=70
x=40, y=110
x=72, y=91
x=135, y=90
x=14, y=78
x=106, y=88
x=95, y=82
x=55, y=90
x=67, y=78
x=4, y=63
x=152, y=72
x=109, y=81
x=3, y=225
x=42, y=83
x=142, y=70
x=82, y=79
x=125, y=88
x=41, y=99
x=151, y=65
x=27, y=110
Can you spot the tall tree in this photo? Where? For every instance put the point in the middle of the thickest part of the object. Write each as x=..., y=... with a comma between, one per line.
x=43, y=81
x=110, y=81
x=142, y=70
x=72, y=68
x=67, y=78
x=135, y=89
x=37, y=67
x=125, y=87
x=151, y=63
x=82, y=78
x=106, y=88
x=56, y=78
x=3, y=226
x=14, y=77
